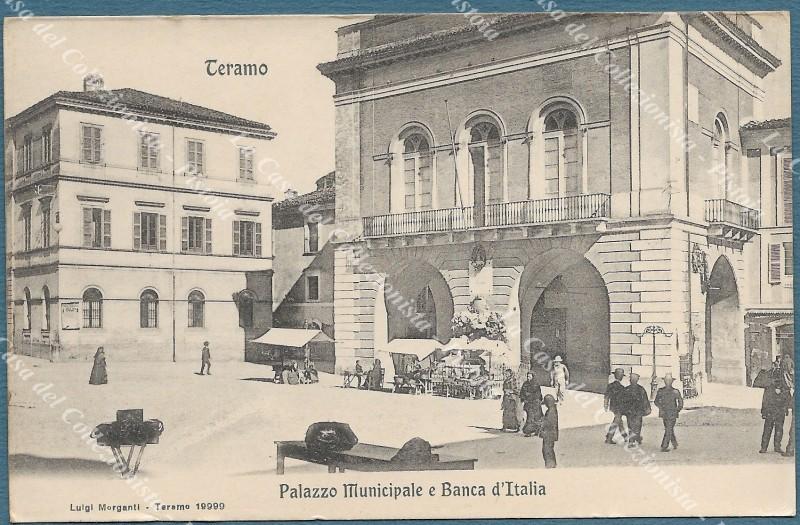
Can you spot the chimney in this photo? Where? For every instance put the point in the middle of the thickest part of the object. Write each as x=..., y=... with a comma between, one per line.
x=290, y=193
x=93, y=82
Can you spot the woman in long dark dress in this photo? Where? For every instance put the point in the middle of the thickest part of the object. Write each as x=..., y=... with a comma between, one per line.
x=99, y=375
x=374, y=376
x=510, y=401
x=531, y=395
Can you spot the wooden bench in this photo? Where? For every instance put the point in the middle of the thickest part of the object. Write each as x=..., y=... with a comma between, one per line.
x=364, y=458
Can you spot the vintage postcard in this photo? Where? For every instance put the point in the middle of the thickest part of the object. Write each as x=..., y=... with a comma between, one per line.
x=462, y=265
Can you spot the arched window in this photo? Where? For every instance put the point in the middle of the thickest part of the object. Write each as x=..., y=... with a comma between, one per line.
x=45, y=309
x=27, y=310
x=719, y=157
x=563, y=167
x=486, y=160
x=148, y=309
x=197, y=303
x=92, y=308
x=245, y=304
x=412, y=171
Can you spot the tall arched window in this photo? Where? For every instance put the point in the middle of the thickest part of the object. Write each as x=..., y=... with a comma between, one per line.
x=486, y=160
x=563, y=167
x=417, y=176
x=92, y=308
x=148, y=309
x=45, y=309
x=719, y=157
x=197, y=304
x=245, y=303
x=27, y=310
x=412, y=171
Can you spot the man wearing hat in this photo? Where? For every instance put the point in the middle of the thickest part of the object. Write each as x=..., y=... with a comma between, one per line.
x=669, y=402
x=205, y=359
x=559, y=377
x=774, y=408
x=613, y=402
x=636, y=405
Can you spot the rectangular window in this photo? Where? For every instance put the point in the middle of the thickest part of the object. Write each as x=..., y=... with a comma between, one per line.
x=247, y=238
x=312, y=287
x=774, y=254
x=148, y=151
x=93, y=313
x=196, y=314
x=246, y=163
x=45, y=224
x=788, y=259
x=47, y=145
x=195, y=157
x=196, y=234
x=312, y=237
x=27, y=153
x=149, y=231
x=26, y=225
x=148, y=312
x=91, y=144
x=96, y=228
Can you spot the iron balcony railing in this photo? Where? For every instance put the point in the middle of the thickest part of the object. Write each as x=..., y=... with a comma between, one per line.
x=542, y=211
x=727, y=212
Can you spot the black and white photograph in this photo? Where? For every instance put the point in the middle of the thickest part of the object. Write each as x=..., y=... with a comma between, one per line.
x=454, y=265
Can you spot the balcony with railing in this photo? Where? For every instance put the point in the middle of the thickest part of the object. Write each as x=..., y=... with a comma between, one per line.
x=594, y=206
x=731, y=220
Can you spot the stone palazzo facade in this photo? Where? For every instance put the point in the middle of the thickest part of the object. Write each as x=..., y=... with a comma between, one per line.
x=584, y=175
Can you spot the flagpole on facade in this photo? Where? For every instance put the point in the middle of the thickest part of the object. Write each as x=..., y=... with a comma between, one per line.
x=455, y=161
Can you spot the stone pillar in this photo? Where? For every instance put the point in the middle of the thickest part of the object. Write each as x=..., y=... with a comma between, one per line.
x=641, y=270
x=355, y=288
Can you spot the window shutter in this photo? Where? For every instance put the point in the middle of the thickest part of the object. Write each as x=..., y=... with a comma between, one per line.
x=774, y=263
x=787, y=190
x=162, y=232
x=236, y=238
x=107, y=228
x=257, y=252
x=207, y=237
x=788, y=258
x=87, y=226
x=137, y=230
x=185, y=234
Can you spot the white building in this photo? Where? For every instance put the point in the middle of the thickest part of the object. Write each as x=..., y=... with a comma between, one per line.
x=136, y=222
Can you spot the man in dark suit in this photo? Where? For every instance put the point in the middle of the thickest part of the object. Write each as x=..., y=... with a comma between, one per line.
x=669, y=402
x=636, y=405
x=774, y=408
x=613, y=401
x=205, y=359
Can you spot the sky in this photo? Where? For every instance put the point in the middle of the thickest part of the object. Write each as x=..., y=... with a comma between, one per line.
x=166, y=56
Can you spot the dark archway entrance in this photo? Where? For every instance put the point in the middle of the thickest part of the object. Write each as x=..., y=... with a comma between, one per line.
x=419, y=304
x=724, y=355
x=565, y=311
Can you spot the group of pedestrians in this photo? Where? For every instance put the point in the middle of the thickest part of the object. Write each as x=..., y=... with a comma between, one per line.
x=525, y=405
x=631, y=403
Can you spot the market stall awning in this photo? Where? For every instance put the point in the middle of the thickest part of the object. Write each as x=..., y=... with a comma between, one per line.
x=421, y=348
x=295, y=337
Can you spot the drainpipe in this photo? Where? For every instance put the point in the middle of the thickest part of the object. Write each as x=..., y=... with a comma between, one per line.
x=174, y=356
